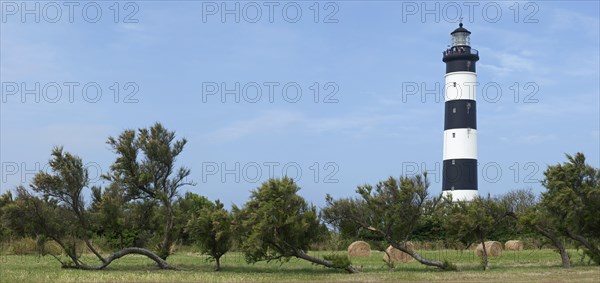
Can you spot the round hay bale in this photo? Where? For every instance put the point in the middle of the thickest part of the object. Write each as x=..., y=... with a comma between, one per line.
x=359, y=248
x=492, y=248
x=397, y=255
x=513, y=245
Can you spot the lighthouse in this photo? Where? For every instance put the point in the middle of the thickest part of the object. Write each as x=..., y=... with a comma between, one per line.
x=459, y=173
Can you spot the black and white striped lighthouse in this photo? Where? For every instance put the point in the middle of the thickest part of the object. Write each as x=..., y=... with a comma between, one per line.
x=459, y=176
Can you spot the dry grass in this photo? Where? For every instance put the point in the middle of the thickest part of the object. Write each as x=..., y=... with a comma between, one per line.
x=529, y=265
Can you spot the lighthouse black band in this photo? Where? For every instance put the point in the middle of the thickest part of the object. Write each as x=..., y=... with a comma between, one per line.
x=459, y=174
x=462, y=64
x=460, y=59
x=460, y=114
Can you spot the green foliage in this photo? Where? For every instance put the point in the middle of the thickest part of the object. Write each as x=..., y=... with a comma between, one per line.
x=430, y=225
x=6, y=200
x=572, y=202
x=60, y=213
x=153, y=173
x=473, y=221
x=340, y=261
x=44, y=218
x=66, y=184
x=276, y=222
x=449, y=266
x=185, y=208
x=109, y=216
x=392, y=209
x=61, y=210
x=210, y=227
x=145, y=169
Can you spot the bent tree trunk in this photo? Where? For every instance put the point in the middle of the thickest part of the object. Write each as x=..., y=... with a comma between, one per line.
x=159, y=261
x=592, y=249
x=326, y=263
x=564, y=256
x=402, y=246
x=94, y=251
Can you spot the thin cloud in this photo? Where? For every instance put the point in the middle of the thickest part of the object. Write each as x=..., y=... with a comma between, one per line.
x=274, y=121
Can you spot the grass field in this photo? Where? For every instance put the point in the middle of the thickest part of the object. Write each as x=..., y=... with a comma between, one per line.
x=529, y=265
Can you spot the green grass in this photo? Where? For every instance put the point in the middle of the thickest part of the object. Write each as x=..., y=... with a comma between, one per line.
x=529, y=265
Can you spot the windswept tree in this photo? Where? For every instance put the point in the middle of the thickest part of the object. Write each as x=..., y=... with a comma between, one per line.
x=60, y=213
x=572, y=201
x=278, y=224
x=473, y=221
x=211, y=228
x=123, y=222
x=390, y=210
x=46, y=217
x=66, y=187
x=531, y=216
x=145, y=169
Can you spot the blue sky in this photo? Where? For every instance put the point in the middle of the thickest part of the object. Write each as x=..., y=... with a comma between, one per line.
x=365, y=57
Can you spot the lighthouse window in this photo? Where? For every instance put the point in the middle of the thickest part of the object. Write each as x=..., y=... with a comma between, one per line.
x=453, y=136
x=454, y=84
x=454, y=110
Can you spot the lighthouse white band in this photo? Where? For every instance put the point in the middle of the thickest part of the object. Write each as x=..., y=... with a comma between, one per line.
x=460, y=85
x=461, y=195
x=460, y=144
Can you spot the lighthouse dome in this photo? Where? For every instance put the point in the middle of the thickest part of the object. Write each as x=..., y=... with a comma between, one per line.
x=460, y=29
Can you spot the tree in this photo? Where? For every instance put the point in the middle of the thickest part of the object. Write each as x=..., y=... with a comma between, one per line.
x=60, y=213
x=523, y=206
x=66, y=187
x=572, y=202
x=34, y=216
x=123, y=222
x=6, y=200
x=185, y=208
x=278, y=224
x=151, y=175
x=474, y=220
x=390, y=210
x=210, y=227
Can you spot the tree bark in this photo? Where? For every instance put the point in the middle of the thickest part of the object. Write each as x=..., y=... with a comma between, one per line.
x=159, y=261
x=587, y=244
x=415, y=255
x=564, y=256
x=94, y=251
x=327, y=263
x=165, y=246
x=484, y=257
x=218, y=264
